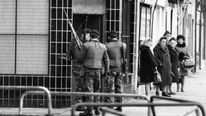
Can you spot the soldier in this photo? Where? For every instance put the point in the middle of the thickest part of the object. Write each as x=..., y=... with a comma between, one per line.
x=95, y=55
x=116, y=51
x=75, y=54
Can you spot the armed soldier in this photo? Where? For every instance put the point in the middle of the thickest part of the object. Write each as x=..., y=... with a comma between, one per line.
x=74, y=53
x=116, y=51
x=95, y=55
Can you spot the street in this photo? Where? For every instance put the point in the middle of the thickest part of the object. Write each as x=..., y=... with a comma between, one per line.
x=195, y=86
x=194, y=90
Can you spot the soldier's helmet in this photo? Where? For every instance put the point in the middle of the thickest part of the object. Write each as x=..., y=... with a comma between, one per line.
x=94, y=34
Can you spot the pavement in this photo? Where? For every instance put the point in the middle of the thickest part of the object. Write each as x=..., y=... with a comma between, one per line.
x=195, y=86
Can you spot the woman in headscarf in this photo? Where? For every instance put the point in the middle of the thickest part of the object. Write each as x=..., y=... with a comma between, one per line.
x=147, y=65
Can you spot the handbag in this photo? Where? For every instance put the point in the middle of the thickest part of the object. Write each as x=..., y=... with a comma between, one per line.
x=187, y=64
x=157, y=78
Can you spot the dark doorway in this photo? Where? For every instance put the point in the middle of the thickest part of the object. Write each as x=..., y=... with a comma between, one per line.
x=81, y=21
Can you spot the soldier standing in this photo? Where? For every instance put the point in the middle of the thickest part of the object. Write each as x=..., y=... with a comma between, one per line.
x=116, y=51
x=95, y=55
x=75, y=54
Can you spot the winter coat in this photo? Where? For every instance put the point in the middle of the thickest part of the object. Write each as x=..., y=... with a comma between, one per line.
x=147, y=65
x=174, y=62
x=162, y=58
x=182, y=49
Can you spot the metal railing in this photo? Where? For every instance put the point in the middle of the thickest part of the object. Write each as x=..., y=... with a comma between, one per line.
x=142, y=97
x=46, y=91
x=111, y=111
x=181, y=101
x=138, y=105
x=150, y=102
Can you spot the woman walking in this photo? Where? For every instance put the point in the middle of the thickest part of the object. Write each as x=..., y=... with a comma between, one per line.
x=182, y=50
x=147, y=65
x=162, y=57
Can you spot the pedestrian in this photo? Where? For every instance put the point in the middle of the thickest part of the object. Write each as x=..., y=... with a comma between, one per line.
x=182, y=50
x=175, y=63
x=147, y=65
x=168, y=35
x=116, y=51
x=162, y=57
x=75, y=54
x=94, y=57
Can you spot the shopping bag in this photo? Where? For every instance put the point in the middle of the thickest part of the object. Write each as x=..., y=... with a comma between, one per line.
x=189, y=63
x=157, y=78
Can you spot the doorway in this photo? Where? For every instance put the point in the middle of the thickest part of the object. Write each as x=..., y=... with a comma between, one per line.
x=92, y=21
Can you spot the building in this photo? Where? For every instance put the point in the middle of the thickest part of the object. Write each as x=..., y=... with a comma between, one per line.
x=34, y=33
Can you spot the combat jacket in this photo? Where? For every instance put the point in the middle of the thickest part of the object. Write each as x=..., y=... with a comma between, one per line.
x=95, y=54
x=75, y=54
x=116, y=51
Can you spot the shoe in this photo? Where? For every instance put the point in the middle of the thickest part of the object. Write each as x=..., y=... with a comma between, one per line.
x=157, y=94
x=119, y=109
x=85, y=114
x=171, y=93
x=182, y=90
x=165, y=94
x=97, y=112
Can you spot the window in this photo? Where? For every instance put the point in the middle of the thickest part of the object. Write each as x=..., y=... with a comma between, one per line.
x=24, y=36
x=145, y=19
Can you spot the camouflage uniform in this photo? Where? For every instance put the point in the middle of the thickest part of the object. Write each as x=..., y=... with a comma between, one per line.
x=75, y=54
x=116, y=51
x=95, y=54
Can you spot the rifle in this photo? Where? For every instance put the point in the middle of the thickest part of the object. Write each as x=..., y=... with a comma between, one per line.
x=79, y=43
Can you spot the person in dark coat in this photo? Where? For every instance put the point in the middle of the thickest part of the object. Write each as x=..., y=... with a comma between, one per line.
x=175, y=63
x=182, y=50
x=162, y=57
x=147, y=65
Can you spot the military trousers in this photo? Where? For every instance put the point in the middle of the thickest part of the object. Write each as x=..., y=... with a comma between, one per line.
x=113, y=84
x=92, y=83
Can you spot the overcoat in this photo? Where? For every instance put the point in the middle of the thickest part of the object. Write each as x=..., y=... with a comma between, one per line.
x=174, y=62
x=182, y=49
x=162, y=58
x=147, y=65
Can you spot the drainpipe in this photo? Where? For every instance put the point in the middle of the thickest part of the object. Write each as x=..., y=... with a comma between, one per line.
x=200, y=37
x=152, y=20
x=195, y=50
x=136, y=48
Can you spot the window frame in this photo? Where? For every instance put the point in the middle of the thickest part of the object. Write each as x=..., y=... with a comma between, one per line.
x=146, y=17
x=15, y=34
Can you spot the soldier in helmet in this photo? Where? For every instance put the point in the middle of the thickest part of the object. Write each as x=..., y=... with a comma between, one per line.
x=116, y=51
x=95, y=55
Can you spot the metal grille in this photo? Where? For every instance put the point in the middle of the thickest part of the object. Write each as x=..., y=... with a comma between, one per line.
x=113, y=15
x=59, y=75
x=60, y=35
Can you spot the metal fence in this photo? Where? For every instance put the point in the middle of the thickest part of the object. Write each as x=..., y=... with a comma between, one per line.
x=150, y=104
